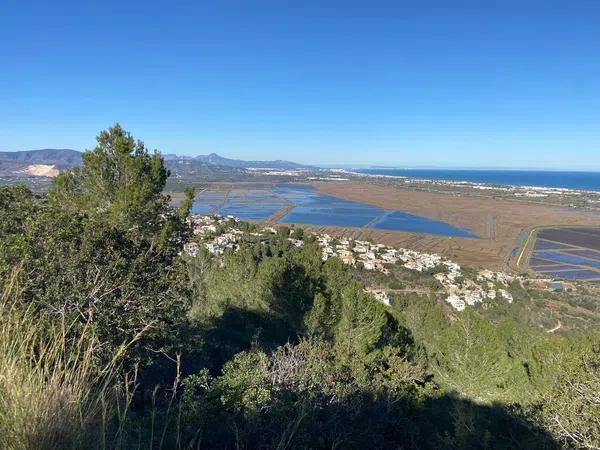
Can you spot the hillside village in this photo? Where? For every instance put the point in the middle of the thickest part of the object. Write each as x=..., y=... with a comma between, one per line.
x=219, y=234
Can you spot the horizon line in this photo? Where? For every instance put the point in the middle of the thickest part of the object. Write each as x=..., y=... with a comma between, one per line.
x=362, y=166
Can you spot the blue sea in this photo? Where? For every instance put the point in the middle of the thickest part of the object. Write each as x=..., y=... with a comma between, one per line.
x=586, y=181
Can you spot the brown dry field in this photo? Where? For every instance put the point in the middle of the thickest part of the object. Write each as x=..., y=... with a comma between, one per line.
x=507, y=219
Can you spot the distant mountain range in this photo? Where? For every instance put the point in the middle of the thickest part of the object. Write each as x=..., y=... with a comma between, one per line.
x=19, y=162
x=215, y=160
x=62, y=158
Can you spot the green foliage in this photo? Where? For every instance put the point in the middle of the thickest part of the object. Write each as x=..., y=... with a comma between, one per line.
x=53, y=392
x=186, y=204
x=324, y=315
x=244, y=389
x=366, y=328
x=299, y=397
x=18, y=209
x=118, y=180
x=297, y=233
x=104, y=248
x=571, y=409
x=266, y=346
x=488, y=362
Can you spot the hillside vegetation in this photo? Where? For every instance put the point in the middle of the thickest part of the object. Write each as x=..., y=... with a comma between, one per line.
x=112, y=337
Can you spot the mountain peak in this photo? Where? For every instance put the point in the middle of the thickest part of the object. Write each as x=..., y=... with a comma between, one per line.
x=66, y=158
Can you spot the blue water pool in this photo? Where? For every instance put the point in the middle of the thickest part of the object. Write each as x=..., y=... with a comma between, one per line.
x=252, y=205
x=557, y=268
x=249, y=212
x=199, y=208
x=592, y=254
x=256, y=204
x=575, y=275
x=571, y=259
x=312, y=208
x=541, y=244
x=574, y=258
x=207, y=202
x=401, y=221
x=533, y=261
x=312, y=216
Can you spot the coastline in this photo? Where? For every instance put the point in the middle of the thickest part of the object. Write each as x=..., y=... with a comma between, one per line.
x=475, y=184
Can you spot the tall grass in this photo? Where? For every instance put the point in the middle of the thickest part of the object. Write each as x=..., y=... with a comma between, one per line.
x=52, y=392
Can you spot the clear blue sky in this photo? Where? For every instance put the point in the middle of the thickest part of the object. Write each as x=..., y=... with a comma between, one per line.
x=444, y=83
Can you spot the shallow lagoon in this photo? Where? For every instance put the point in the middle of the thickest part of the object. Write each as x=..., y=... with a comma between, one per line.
x=401, y=221
x=256, y=204
x=312, y=208
x=328, y=216
x=252, y=205
x=207, y=202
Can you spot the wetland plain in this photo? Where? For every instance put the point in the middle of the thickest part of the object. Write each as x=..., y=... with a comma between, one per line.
x=481, y=231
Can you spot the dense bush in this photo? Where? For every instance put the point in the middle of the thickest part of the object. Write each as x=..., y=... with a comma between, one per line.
x=111, y=338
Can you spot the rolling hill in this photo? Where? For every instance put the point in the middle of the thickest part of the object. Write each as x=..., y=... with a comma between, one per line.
x=19, y=162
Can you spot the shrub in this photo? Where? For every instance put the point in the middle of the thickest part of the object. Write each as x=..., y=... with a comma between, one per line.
x=52, y=393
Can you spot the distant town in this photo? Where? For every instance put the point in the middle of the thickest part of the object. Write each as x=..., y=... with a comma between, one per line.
x=461, y=288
